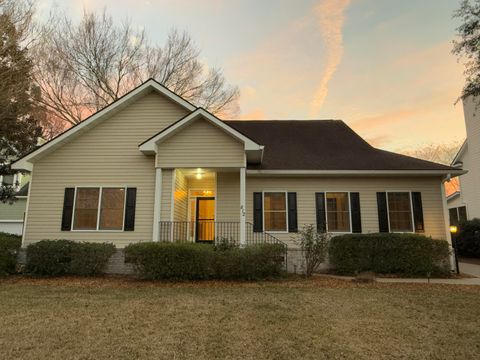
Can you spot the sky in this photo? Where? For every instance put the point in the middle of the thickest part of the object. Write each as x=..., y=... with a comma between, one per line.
x=383, y=66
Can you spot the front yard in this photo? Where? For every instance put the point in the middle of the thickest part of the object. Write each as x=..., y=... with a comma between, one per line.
x=320, y=319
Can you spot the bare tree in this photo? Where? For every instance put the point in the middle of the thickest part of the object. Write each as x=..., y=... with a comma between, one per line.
x=82, y=67
x=442, y=153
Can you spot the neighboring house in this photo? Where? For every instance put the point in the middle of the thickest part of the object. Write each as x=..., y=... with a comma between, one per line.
x=152, y=166
x=12, y=214
x=465, y=203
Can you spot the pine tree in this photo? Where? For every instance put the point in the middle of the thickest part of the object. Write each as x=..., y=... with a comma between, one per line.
x=19, y=129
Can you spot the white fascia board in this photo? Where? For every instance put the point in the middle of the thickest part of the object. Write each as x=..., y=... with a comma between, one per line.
x=354, y=172
x=460, y=153
x=453, y=196
x=149, y=146
x=26, y=162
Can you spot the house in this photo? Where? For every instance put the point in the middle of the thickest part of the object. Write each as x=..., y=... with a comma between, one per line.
x=152, y=166
x=465, y=203
x=12, y=214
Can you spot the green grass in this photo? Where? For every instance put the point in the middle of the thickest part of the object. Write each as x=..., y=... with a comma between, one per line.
x=317, y=319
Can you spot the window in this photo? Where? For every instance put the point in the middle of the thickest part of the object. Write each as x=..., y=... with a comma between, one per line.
x=8, y=180
x=338, y=212
x=111, y=211
x=458, y=215
x=400, y=212
x=99, y=209
x=275, y=211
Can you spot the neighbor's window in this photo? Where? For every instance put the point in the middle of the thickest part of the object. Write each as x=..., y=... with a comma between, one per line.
x=338, y=212
x=458, y=215
x=275, y=211
x=89, y=202
x=400, y=212
x=8, y=180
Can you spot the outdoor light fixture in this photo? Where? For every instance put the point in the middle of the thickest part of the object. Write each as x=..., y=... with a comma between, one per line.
x=199, y=174
x=453, y=231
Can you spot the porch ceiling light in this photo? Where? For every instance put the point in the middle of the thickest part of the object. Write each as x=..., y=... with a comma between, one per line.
x=199, y=174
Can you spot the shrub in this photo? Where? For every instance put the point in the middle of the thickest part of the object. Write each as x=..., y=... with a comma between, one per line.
x=90, y=259
x=314, y=246
x=65, y=257
x=407, y=254
x=188, y=261
x=468, y=239
x=9, y=245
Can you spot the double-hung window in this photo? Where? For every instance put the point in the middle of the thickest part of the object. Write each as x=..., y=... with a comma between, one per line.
x=338, y=212
x=400, y=211
x=99, y=208
x=275, y=211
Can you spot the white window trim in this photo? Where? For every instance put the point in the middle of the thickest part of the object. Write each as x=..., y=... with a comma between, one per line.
x=411, y=212
x=286, y=212
x=99, y=207
x=349, y=211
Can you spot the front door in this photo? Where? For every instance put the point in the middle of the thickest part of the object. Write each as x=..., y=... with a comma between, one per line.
x=205, y=219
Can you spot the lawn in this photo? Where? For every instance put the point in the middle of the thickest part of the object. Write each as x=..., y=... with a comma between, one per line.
x=316, y=319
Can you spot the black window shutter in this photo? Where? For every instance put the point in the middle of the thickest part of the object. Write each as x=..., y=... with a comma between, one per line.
x=68, y=209
x=417, y=212
x=257, y=212
x=382, y=212
x=320, y=206
x=129, y=221
x=355, y=210
x=292, y=212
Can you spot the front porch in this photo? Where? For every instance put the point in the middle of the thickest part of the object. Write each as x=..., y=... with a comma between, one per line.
x=204, y=205
x=200, y=205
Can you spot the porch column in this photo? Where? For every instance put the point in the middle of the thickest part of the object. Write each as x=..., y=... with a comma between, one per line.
x=243, y=240
x=156, y=203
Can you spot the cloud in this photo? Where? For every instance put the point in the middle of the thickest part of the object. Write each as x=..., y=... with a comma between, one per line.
x=331, y=17
x=257, y=114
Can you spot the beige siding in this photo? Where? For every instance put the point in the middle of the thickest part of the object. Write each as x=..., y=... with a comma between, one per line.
x=166, y=196
x=13, y=211
x=201, y=144
x=180, y=197
x=202, y=184
x=228, y=196
x=106, y=155
x=367, y=187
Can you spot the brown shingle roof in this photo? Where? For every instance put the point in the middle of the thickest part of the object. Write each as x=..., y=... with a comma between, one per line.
x=321, y=145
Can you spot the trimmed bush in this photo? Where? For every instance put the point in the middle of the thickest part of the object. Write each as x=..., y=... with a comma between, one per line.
x=90, y=259
x=9, y=245
x=406, y=254
x=188, y=261
x=65, y=257
x=468, y=239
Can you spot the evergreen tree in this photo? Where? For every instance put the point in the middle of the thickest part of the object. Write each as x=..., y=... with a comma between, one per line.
x=19, y=129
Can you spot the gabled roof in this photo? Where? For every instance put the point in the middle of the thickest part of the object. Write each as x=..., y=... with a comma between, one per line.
x=460, y=153
x=25, y=163
x=325, y=145
x=149, y=145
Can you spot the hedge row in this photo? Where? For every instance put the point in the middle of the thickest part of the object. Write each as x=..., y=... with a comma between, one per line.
x=186, y=261
x=65, y=257
x=468, y=239
x=407, y=254
x=9, y=246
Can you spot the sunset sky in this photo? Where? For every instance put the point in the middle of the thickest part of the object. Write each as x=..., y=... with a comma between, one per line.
x=382, y=66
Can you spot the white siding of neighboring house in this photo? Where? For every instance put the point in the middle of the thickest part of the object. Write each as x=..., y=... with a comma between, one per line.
x=470, y=182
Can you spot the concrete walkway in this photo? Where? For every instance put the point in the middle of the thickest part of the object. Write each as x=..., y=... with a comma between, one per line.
x=470, y=269
x=464, y=281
